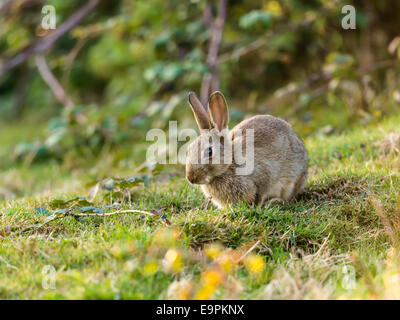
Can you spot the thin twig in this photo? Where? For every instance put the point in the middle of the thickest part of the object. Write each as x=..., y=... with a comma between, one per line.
x=7, y=264
x=39, y=225
x=71, y=58
x=111, y=213
x=53, y=83
x=75, y=214
x=248, y=251
x=322, y=246
x=211, y=80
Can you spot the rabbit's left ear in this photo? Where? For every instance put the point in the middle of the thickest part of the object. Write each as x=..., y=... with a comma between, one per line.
x=218, y=111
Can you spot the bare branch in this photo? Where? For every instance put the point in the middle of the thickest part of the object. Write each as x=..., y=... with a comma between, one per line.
x=38, y=47
x=52, y=82
x=211, y=80
x=71, y=58
x=208, y=16
x=248, y=251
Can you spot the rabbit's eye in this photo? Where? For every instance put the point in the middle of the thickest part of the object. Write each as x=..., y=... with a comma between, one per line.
x=208, y=152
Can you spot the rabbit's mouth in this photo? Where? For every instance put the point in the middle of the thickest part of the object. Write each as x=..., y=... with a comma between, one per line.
x=196, y=180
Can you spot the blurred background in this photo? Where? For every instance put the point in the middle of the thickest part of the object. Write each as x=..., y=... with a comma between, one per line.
x=88, y=91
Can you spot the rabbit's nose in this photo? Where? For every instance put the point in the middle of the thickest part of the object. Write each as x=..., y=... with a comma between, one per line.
x=191, y=178
x=197, y=179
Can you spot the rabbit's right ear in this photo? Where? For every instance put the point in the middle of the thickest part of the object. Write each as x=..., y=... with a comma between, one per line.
x=218, y=111
x=199, y=111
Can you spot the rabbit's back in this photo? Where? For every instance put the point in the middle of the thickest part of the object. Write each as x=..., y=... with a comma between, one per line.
x=272, y=136
x=280, y=157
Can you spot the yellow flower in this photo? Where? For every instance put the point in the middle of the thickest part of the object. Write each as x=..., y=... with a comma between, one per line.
x=274, y=7
x=166, y=237
x=150, y=268
x=391, y=280
x=254, y=263
x=213, y=251
x=204, y=293
x=173, y=260
x=227, y=261
x=211, y=278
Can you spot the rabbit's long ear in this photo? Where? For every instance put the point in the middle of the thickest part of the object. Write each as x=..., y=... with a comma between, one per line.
x=218, y=111
x=199, y=111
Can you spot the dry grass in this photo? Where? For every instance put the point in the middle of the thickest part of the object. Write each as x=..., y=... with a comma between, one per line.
x=391, y=143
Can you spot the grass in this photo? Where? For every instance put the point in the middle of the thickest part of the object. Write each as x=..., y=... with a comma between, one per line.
x=338, y=240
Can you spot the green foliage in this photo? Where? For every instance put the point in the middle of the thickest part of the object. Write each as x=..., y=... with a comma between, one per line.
x=251, y=19
x=127, y=67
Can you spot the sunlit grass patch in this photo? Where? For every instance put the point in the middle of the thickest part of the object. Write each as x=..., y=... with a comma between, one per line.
x=344, y=227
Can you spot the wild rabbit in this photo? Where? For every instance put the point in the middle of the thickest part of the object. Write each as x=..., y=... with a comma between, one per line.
x=277, y=156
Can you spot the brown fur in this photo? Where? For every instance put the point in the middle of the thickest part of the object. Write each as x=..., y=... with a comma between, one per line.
x=280, y=162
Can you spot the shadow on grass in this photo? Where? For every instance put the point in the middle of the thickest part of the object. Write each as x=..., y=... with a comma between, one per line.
x=336, y=188
x=337, y=208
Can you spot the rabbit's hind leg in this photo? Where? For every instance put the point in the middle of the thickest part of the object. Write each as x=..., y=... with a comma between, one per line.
x=273, y=196
x=281, y=193
x=300, y=185
x=267, y=201
x=288, y=192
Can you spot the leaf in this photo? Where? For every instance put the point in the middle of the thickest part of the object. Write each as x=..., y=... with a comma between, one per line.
x=109, y=184
x=55, y=138
x=339, y=63
x=78, y=201
x=172, y=71
x=146, y=181
x=91, y=209
x=60, y=211
x=305, y=99
x=163, y=39
x=150, y=167
x=83, y=202
x=114, y=195
x=129, y=183
x=254, y=17
x=87, y=209
x=157, y=168
x=42, y=211
x=58, y=203
x=108, y=207
x=91, y=184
